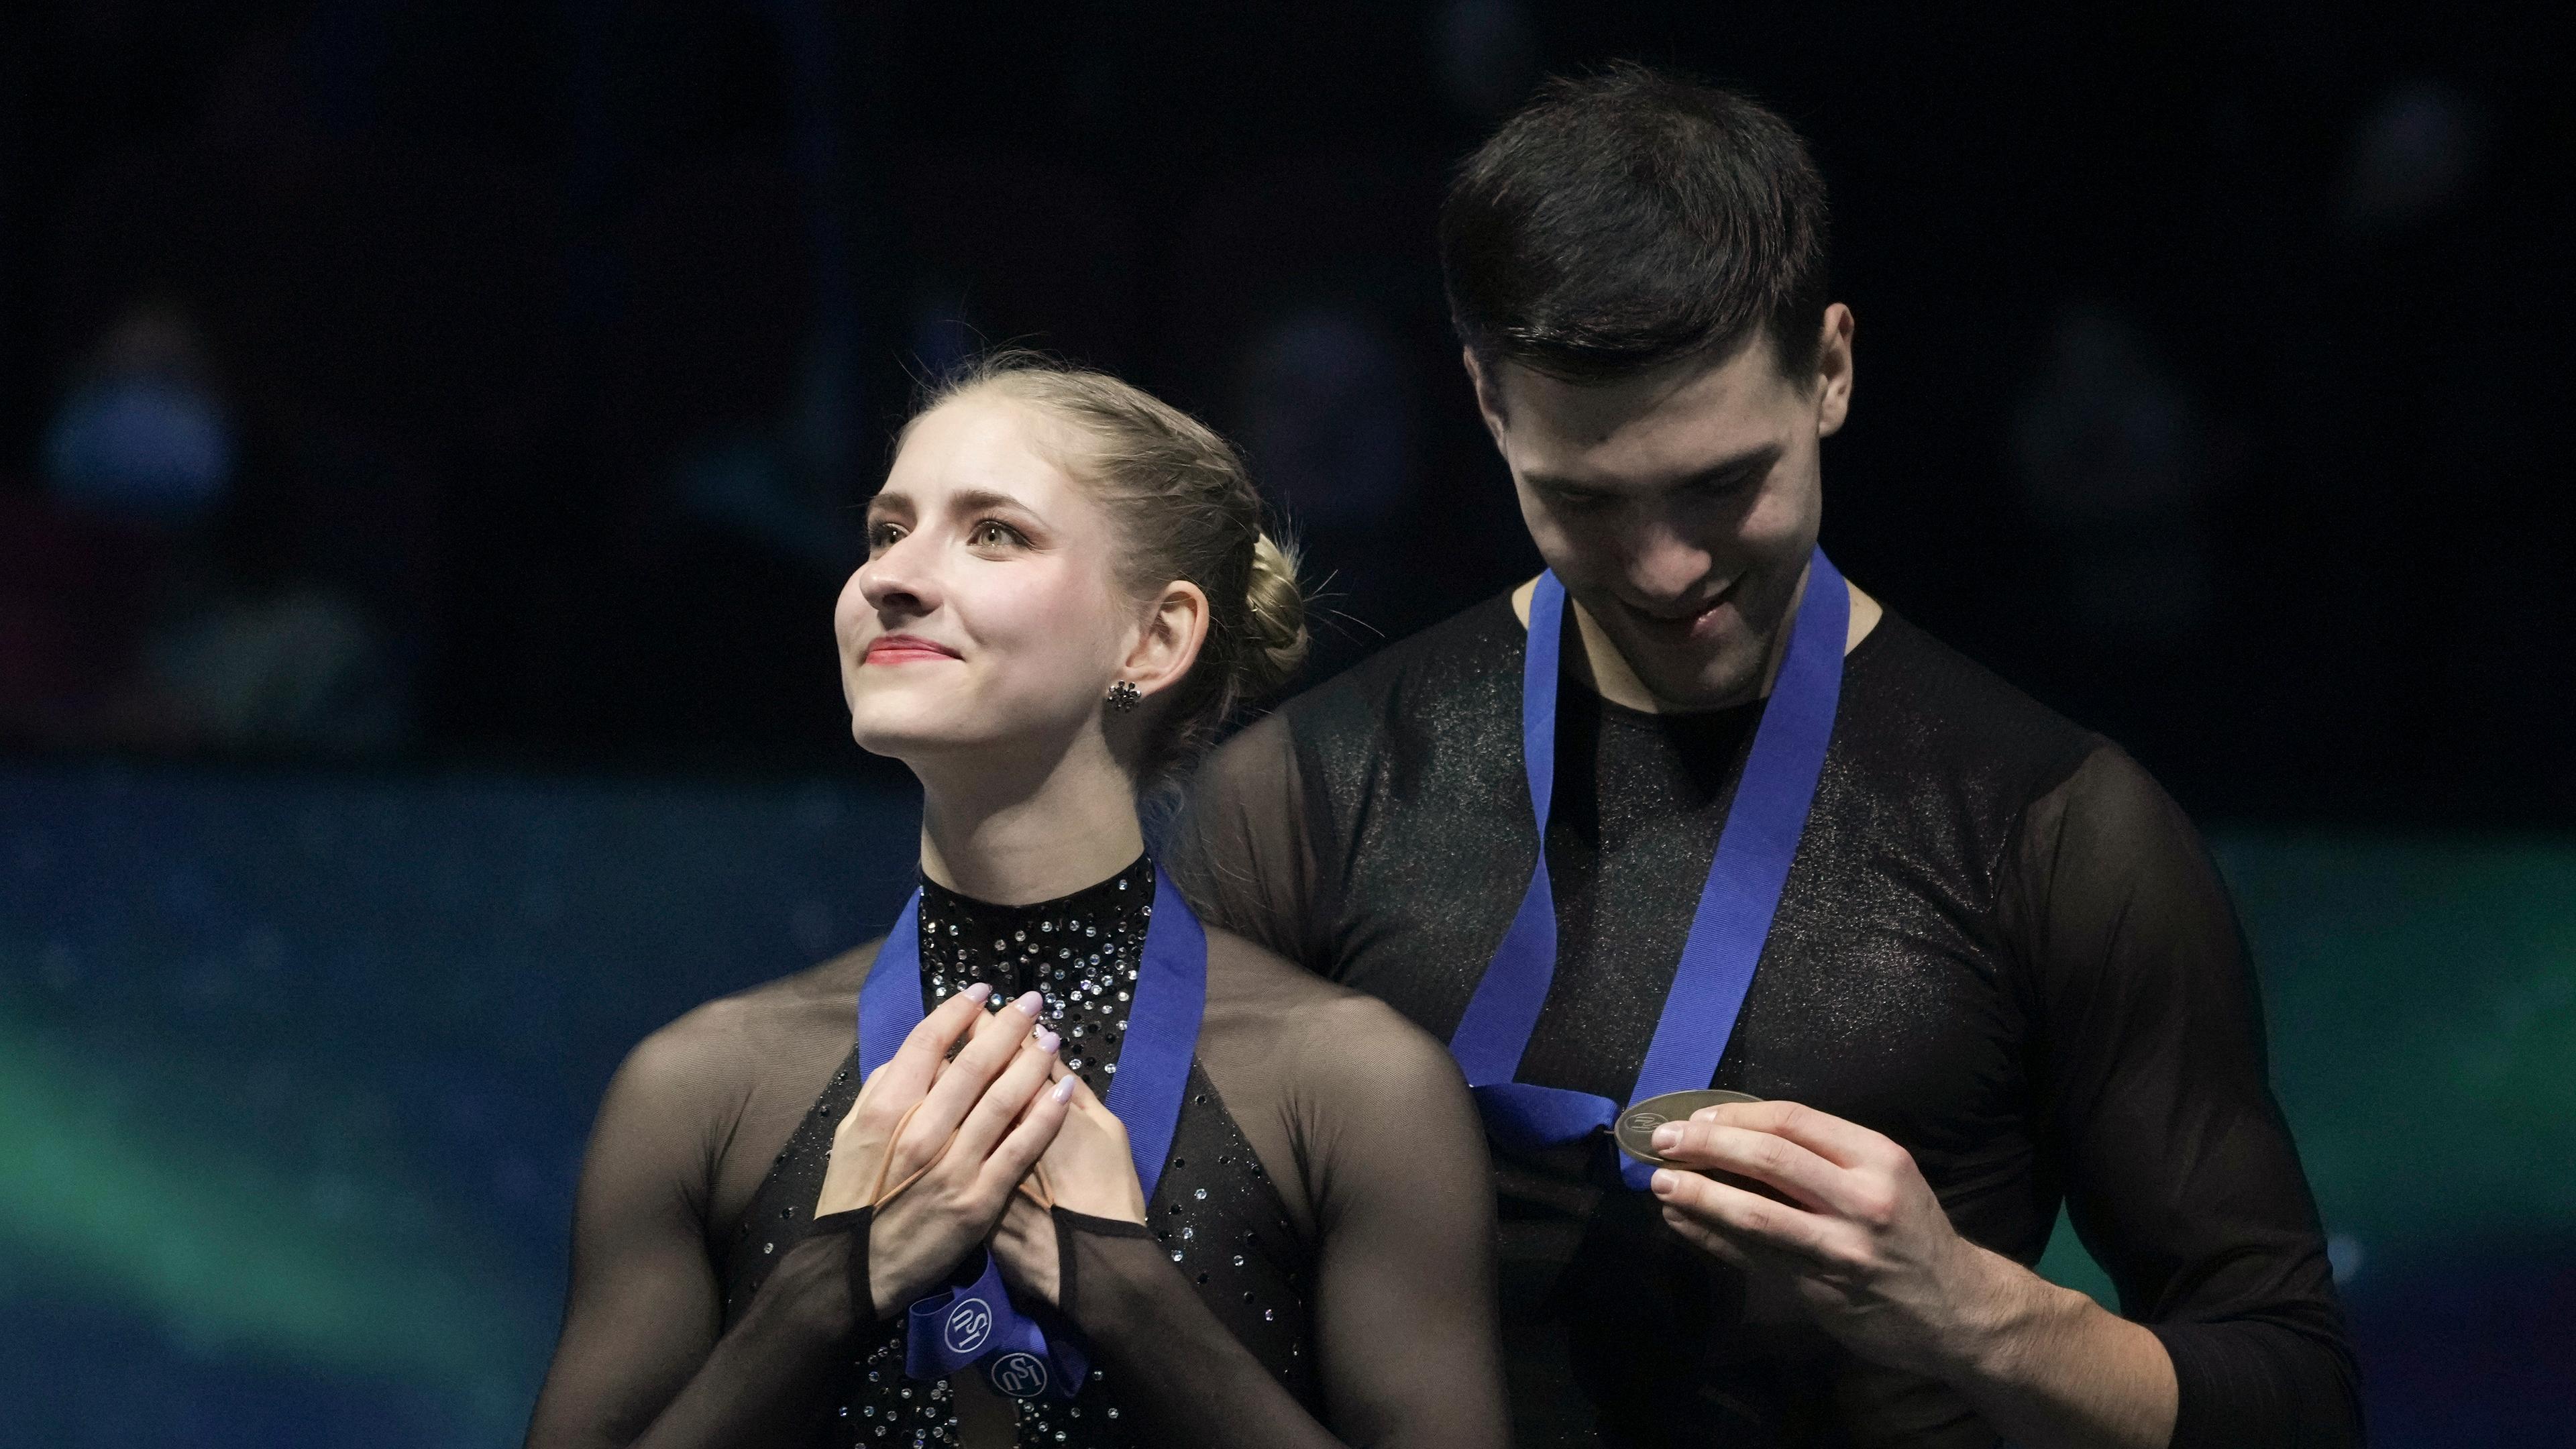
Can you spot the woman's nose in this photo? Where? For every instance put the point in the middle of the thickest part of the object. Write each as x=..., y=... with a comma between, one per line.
x=899, y=578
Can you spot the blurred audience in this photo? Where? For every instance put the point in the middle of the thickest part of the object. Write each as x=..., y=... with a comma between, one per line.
x=147, y=606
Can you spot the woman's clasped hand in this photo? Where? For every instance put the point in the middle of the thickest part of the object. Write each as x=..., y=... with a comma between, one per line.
x=937, y=1144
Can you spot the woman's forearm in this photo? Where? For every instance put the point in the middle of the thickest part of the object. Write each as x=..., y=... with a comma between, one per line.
x=776, y=1364
x=1171, y=1363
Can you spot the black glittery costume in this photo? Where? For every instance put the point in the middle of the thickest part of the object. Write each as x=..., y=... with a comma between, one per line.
x=1294, y=1275
x=1214, y=1210
x=2000, y=944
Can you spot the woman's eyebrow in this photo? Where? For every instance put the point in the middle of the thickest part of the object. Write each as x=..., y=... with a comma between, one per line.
x=971, y=500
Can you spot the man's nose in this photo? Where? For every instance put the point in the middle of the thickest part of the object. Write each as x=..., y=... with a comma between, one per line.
x=1666, y=569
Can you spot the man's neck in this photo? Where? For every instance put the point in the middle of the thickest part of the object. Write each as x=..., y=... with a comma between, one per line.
x=1613, y=679
x=1034, y=832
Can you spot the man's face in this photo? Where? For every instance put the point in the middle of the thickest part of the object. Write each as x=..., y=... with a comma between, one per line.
x=1679, y=507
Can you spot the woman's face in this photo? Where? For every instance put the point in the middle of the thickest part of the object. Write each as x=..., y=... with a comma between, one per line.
x=987, y=612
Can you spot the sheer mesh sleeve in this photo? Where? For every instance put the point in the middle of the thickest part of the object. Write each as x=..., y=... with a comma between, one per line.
x=2181, y=1176
x=1392, y=1169
x=1240, y=849
x=640, y=1361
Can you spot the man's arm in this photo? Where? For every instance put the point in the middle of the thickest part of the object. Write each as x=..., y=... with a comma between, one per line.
x=1239, y=848
x=1866, y=1247
x=2182, y=1177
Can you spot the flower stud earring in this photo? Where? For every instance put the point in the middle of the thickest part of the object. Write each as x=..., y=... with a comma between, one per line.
x=1123, y=696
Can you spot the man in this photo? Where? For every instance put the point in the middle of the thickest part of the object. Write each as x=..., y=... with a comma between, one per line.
x=2001, y=972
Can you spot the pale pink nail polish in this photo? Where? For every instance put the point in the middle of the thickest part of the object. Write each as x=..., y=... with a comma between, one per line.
x=1064, y=1089
x=1029, y=1003
x=978, y=993
x=1047, y=1040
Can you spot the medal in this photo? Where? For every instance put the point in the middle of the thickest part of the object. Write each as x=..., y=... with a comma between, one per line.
x=1754, y=851
x=1635, y=1132
x=973, y=1319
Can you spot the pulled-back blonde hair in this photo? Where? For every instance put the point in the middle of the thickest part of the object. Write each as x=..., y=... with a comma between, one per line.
x=1185, y=508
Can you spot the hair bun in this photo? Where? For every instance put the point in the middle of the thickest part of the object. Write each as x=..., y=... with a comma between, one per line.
x=1277, y=620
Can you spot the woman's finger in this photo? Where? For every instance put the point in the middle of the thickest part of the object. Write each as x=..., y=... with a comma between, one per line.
x=1021, y=1148
x=996, y=1041
x=1010, y=1093
x=916, y=1063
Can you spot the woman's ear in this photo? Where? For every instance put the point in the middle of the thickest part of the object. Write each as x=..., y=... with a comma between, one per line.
x=1170, y=644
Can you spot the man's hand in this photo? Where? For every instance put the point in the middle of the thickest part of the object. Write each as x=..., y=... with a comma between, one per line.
x=1867, y=1249
x=1862, y=1240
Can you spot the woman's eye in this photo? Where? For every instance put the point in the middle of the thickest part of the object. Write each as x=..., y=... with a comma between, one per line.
x=883, y=535
x=990, y=534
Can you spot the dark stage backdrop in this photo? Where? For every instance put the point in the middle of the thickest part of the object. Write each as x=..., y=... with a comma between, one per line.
x=431, y=434
x=295, y=1071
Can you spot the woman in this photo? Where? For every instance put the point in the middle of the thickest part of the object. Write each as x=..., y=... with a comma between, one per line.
x=1281, y=1233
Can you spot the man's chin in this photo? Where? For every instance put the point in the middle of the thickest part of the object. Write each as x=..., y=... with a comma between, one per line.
x=1727, y=678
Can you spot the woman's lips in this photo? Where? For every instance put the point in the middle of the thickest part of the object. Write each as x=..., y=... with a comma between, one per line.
x=906, y=649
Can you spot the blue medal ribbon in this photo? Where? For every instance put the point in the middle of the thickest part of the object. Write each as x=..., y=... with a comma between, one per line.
x=1754, y=849
x=975, y=1320
x=981, y=1323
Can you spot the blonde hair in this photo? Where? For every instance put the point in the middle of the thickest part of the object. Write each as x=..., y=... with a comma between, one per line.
x=1185, y=508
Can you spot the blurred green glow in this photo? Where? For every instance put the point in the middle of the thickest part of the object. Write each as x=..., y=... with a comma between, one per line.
x=2421, y=997
x=118, y=1174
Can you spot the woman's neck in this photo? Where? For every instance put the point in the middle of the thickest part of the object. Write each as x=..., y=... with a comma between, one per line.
x=1016, y=838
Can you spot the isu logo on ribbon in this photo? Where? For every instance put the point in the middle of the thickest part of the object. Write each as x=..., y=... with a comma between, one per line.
x=969, y=1324
x=1020, y=1375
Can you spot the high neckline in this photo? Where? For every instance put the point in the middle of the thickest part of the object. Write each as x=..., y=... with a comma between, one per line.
x=1079, y=952
x=1090, y=900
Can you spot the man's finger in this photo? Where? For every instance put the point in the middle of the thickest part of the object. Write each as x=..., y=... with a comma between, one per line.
x=1705, y=1238
x=1766, y=1156
x=1749, y=1218
x=1842, y=1143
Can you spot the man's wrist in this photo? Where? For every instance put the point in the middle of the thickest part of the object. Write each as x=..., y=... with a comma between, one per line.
x=2003, y=1311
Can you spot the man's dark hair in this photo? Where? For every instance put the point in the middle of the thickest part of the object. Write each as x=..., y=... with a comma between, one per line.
x=1630, y=218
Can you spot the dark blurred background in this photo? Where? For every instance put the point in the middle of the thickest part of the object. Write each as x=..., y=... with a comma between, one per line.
x=431, y=436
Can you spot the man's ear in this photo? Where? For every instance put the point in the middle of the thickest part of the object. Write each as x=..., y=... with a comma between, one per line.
x=1834, y=370
x=1170, y=642
x=1489, y=396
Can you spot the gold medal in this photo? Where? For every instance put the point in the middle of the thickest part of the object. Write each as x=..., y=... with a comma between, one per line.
x=1635, y=1131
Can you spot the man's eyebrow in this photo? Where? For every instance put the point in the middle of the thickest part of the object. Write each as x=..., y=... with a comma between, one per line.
x=1551, y=483
x=1752, y=460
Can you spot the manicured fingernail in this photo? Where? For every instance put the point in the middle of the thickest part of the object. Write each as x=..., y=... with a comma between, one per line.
x=1028, y=1003
x=1047, y=1040
x=1064, y=1089
x=1664, y=1181
x=1668, y=1137
x=977, y=993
